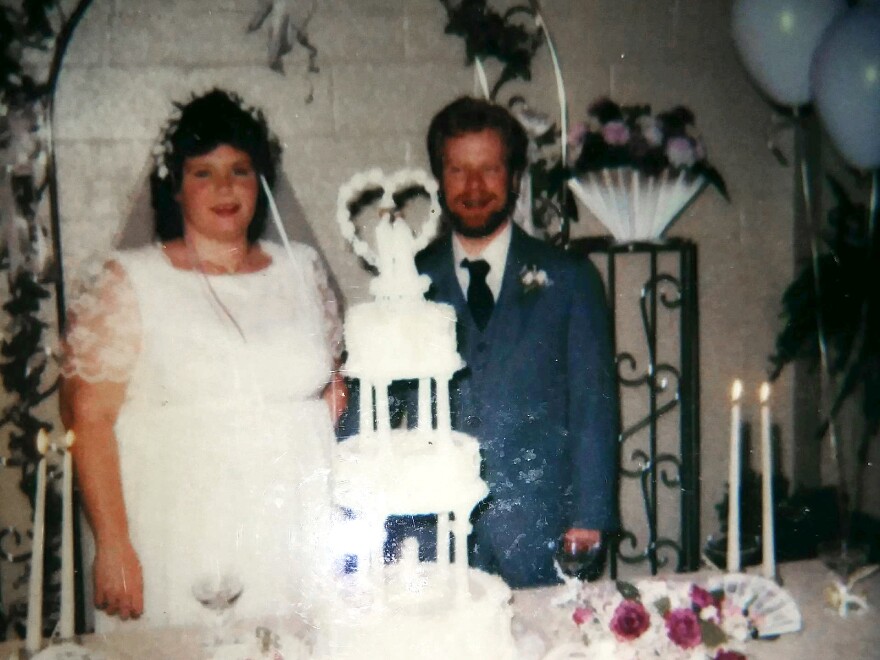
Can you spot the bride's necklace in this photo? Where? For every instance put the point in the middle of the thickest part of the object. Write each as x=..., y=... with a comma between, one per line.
x=196, y=264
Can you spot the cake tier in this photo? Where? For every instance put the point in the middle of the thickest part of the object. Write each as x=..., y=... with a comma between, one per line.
x=422, y=618
x=400, y=340
x=409, y=472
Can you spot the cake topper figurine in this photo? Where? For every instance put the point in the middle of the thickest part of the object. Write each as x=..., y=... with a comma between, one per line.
x=395, y=246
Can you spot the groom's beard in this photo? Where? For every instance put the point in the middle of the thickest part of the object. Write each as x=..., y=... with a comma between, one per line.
x=493, y=222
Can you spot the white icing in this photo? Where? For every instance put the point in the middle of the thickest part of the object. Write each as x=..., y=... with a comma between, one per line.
x=401, y=339
x=431, y=623
x=409, y=473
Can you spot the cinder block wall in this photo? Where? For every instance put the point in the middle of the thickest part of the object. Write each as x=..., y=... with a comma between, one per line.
x=386, y=67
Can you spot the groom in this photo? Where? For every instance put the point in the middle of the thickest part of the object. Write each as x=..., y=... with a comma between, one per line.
x=539, y=391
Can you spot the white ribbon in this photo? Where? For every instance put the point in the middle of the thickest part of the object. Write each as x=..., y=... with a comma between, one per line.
x=480, y=81
x=560, y=84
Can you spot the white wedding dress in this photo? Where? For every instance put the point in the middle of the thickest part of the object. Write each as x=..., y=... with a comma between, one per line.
x=223, y=438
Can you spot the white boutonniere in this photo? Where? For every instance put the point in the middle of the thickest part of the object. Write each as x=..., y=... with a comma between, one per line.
x=533, y=278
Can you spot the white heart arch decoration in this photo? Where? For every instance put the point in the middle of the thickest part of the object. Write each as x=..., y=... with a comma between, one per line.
x=395, y=246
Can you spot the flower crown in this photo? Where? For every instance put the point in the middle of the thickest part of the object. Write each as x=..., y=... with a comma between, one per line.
x=163, y=147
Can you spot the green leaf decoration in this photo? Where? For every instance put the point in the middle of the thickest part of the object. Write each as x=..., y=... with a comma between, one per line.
x=663, y=605
x=287, y=27
x=712, y=634
x=849, y=270
x=490, y=35
x=628, y=590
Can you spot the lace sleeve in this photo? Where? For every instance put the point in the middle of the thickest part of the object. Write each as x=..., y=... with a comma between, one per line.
x=102, y=342
x=330, y=309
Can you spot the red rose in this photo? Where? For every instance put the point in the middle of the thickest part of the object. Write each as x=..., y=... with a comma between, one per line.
x=700, y=597
x=630, y=620
x=729, y=655
x=683, y=628
x=582, y=615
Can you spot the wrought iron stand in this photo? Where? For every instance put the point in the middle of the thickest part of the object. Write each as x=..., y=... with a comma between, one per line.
x=663, y=470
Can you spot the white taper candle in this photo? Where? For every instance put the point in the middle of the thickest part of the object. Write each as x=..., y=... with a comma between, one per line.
x=34, y=627
x=425, y=420
x=66, y=619
x=733, y=501
x=768, y=540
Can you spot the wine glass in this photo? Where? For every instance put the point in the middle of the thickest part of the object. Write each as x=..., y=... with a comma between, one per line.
x=218, y=592
x=582, y=563
x=843, y=556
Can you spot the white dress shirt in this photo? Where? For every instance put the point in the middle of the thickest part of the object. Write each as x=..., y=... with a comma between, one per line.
x=495, y=254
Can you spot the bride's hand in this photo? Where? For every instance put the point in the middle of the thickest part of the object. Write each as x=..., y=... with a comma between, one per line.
x=119, y=583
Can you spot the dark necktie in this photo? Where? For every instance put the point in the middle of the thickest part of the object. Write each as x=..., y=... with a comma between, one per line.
x=479, y=296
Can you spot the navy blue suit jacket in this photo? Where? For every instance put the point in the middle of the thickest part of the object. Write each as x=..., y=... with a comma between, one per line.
x=539, y=392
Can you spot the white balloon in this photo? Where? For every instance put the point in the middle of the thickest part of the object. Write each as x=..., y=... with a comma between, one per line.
x=776, y=40
x=846, y=83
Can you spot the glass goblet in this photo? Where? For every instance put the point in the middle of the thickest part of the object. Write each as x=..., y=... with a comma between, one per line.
x=843, y=556
x=583, y=563
x=218, y=594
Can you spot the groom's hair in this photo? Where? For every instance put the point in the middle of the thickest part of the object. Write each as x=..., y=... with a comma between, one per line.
x=206, y=122
x=470, y=115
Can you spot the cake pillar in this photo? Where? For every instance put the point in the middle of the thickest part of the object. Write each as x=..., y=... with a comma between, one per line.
x=461, y=529
x=383, y=412
x=443, y=538
x=377, y=556
x=366, y=403
x=444, y=417
x=425, y=416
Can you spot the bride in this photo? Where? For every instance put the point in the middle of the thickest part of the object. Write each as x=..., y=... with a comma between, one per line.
x=199, y=380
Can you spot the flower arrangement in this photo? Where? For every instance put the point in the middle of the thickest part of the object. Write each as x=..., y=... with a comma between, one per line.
x=636, y=172
x=630, y=136
x=531, y=278
x=488, y=33
x=661, y=619
x=163, y=146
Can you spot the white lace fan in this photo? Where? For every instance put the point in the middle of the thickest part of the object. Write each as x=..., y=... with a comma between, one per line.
x=770, y=607
x=633, y=206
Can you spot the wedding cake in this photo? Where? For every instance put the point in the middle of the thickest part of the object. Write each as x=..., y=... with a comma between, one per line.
x=408, y=608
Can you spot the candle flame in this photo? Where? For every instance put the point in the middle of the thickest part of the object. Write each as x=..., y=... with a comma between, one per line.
x=737, y=390
x=764, y=393
x=42, y=441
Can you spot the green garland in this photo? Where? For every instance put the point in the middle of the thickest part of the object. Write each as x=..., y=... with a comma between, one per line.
x=849, y=271
x=29, y=34
x=488, y=34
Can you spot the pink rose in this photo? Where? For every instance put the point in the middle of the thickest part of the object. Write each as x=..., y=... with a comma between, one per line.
x=700, y=597
x=729, y=655
x=576, y=134
x=615, y=132
x=683, y=628
x=582, y=615
x=630, y=620
x=680, y=152
x=651, y=130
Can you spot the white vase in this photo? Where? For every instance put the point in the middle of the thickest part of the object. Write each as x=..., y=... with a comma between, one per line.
x=633, y=206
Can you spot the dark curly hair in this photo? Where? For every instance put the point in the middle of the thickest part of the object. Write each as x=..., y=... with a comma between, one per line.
x=470, y=115
x=206, y=122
